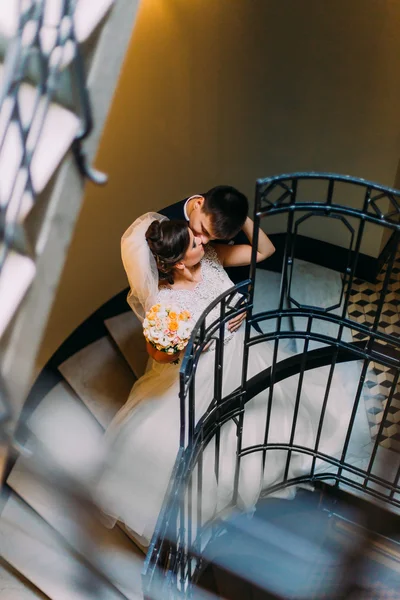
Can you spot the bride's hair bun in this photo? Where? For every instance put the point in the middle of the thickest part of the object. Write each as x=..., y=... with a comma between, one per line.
x=154, y=233
x=168, y=242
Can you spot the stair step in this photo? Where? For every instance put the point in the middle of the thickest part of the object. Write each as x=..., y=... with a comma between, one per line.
x=66, y=430
x=71, y=437
x=126, y=330
x=14, y=587
x=119, y=557
x=100, y=377
x=35, y=551
x=313, y=285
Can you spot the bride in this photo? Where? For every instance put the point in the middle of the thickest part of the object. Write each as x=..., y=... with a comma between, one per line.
x=166, y=263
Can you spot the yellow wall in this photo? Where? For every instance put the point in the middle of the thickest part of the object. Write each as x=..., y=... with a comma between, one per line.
x=225, y=91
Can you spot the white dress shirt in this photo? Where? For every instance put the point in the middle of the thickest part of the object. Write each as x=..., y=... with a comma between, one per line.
x=186, y=203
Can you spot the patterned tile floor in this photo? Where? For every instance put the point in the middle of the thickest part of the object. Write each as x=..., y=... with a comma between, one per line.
x=362, y=308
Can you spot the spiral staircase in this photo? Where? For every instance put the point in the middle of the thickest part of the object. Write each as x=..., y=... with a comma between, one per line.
x=300, y=548
x=339, y=536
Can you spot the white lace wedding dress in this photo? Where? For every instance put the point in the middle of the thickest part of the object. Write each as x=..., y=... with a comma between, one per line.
x=143, y=439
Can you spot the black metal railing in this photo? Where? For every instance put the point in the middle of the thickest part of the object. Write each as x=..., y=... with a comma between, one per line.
x=175, y=553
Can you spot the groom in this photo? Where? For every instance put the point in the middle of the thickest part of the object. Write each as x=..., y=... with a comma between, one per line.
x=218, y=215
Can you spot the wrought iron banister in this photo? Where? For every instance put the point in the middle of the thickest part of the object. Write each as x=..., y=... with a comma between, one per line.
x=266, y=186
x=229, y=408
x=281, y=195
x=321, y=357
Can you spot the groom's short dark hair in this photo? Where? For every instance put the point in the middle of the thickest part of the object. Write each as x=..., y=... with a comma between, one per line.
x=227, y=208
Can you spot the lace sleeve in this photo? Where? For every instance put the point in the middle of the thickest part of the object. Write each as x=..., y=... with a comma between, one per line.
x=210, y=254
x=178, y=299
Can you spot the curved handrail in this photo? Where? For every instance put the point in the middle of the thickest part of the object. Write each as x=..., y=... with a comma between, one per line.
x=318, y=315
x=330, y=176
x=321, y=357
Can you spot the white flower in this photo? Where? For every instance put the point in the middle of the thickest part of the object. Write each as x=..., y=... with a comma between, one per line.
x=164, y=341
x=185, y=329
x=156, y=330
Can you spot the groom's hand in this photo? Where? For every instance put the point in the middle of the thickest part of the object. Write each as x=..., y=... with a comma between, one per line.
x=236, y=322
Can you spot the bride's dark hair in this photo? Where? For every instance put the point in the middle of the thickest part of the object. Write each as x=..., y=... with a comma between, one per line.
x=168, y=242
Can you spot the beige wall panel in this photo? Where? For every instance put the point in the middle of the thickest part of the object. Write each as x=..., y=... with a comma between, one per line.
x=225, y=91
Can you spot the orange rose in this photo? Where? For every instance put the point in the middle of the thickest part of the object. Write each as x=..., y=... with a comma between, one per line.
x=173, y=326
x=151, y=316
x=172, y=315
x=156, y=308
x=184, y=315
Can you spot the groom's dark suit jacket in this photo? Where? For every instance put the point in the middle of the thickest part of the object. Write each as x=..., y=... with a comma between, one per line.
x=237, y=274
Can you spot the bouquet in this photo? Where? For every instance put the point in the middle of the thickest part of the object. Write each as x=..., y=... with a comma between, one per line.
x=168, y=331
